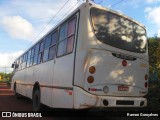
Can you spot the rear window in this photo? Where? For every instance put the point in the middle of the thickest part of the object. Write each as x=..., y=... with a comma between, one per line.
x=117, y=31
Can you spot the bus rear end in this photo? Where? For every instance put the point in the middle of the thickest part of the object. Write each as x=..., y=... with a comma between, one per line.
x=116, y=71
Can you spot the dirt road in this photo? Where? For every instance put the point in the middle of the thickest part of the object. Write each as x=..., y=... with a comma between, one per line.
x=9, y=103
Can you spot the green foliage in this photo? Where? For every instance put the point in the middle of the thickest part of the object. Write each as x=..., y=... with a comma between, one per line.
x=154, y=55
x=154, y=96
x=154, y=68
x=6, y=76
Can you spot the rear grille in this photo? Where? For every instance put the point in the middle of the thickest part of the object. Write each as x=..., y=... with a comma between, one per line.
x=124, y=102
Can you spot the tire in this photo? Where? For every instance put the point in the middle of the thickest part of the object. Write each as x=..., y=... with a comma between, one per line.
x=36, y=100
x=17, y=95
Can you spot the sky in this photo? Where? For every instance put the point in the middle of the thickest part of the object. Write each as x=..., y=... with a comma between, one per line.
x=23, y=22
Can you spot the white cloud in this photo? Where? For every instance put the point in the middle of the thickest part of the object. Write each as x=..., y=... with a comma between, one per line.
x=154, y=17
x=41, y=9
x=18, y=27
x=38, y=14
x=50, y=9
x=7, y=59
x=152, y=1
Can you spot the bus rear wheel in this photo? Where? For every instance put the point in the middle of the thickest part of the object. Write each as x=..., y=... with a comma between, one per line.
x=36, y=100
x=17, y=95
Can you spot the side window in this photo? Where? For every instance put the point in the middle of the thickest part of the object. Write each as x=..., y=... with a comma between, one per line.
x=70, y=34
x=46, y=47
x=54, y=38
x=66, y=37
x=23, y=65
x=20, y=63
x=52, y=49
x=28, y=60
x=62, y=40
x=17, y=65
x=32, y=56
x=35, y=61
x=37, y=49
x=40, y=54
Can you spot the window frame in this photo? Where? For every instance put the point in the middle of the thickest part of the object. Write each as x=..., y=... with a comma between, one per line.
x=57, y=29
x=74, y=16
x=54, y=45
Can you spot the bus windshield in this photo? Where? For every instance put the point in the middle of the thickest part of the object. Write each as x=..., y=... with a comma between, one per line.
x=117, y=31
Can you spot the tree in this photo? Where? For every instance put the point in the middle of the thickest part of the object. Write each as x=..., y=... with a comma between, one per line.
x=6, y=76
x=154, y=56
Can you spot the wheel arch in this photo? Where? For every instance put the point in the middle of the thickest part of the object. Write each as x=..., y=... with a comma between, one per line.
x=35, y=87
x=14, y=86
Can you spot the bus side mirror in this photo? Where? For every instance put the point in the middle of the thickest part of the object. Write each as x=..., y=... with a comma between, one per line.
x=13, y=65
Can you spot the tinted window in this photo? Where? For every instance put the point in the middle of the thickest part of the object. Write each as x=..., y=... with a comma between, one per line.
x=47, y=42
x=52, y=52
x=70, y=42
x=117, y=31
x=45, y=55
x=37, y=49
x=41, y=46
x=63, y=32
x=32, y=52
x=71, y=27
x=61, y=48
x=54, y=38
x=29, y=54
x=66, y=41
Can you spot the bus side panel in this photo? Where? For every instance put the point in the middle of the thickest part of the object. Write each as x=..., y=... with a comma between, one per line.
x=43, y=73
x=18, y=78
x=23, y=86
x=63, y=80
x=29, y=81
x=63, y=77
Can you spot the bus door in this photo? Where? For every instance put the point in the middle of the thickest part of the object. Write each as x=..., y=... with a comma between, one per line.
x=64, y=65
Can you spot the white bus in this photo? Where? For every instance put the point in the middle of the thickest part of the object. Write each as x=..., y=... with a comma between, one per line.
x=95, y=57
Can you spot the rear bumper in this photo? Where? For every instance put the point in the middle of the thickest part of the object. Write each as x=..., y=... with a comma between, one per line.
x=83, y=99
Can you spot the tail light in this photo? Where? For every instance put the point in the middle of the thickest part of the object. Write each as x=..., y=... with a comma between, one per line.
x=90, y=79
x=145, y=84
x=92, y=69
x=124, y=63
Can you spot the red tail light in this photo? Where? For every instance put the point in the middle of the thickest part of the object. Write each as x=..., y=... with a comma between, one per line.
x=92, y=89
x=146, y=85
x=124, y=63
